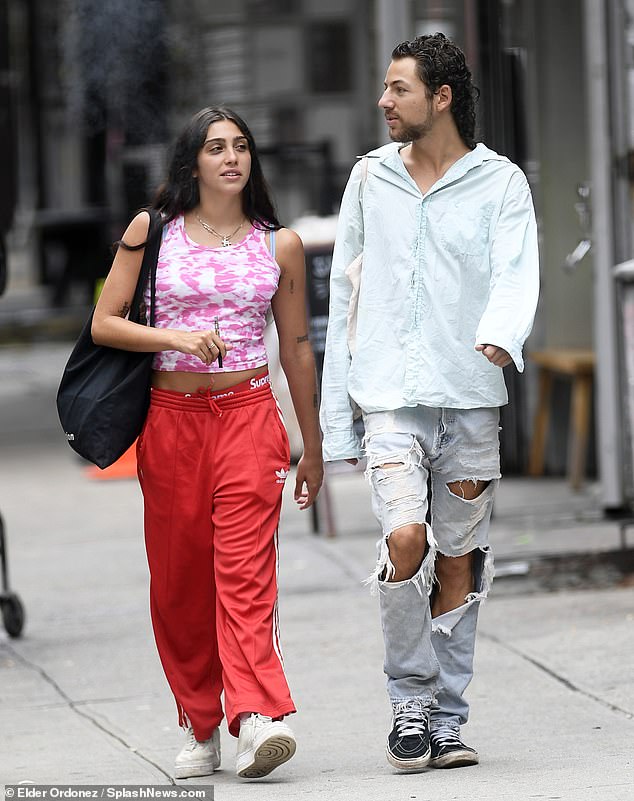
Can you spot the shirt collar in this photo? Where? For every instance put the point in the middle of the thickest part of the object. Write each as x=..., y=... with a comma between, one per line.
x=387, y=163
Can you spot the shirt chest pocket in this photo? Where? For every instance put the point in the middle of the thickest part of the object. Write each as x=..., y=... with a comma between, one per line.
x=463, y=232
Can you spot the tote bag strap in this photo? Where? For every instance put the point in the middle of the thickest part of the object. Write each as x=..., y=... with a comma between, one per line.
x=148, y=267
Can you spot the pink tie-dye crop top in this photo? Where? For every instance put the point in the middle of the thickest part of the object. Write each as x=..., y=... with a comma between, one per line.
x=195, y=284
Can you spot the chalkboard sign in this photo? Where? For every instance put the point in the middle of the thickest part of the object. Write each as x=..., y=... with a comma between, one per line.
x=318, y=263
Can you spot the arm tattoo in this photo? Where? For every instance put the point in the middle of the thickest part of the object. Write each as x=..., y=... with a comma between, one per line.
x=302, y=339
x=292, y=286
x=123, y=311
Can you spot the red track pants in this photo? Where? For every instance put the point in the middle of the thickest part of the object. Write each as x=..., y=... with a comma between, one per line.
x=212, y=470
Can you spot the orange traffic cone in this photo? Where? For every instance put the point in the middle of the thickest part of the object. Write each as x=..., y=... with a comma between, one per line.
x=124, y=467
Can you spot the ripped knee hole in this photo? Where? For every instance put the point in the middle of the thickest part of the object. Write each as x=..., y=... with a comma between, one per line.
x=468, y=489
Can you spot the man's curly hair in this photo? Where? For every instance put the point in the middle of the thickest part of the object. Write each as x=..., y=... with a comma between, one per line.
x=439, y=61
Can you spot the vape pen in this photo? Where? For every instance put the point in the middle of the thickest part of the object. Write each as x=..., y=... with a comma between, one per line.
x=217, y=333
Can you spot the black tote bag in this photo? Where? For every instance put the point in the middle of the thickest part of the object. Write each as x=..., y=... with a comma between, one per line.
x=104, y=394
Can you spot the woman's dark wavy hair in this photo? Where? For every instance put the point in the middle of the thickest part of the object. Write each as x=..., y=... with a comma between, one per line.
x=439, y=61
x=180, y=191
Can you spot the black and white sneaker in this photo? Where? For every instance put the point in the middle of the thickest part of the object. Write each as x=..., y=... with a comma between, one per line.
x=448, y=750
x=408, y=746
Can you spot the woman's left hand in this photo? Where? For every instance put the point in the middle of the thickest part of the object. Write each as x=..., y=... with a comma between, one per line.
x=309, y=478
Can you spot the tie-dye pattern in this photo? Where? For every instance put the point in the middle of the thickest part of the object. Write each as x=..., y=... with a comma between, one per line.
x=195, y=284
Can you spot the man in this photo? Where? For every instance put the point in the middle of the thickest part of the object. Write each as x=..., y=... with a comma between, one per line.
x=447, y=295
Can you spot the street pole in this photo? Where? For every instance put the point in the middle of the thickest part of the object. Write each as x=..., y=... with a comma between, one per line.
x=608, y=419
x=393, y=26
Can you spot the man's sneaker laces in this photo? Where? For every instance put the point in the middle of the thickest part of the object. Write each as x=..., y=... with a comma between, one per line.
x=408, y=746
x=448, y=750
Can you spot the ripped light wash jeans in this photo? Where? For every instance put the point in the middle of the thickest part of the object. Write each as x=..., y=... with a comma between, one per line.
x=425, y=658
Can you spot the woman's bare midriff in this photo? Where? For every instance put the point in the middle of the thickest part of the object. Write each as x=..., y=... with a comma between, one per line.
x=191, y=382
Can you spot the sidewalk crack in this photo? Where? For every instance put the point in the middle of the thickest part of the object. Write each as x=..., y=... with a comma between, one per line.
x=569, y=685
x=75, y=706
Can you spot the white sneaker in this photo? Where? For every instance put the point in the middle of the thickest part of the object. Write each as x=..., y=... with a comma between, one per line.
x=198, y=758
x=263, y=745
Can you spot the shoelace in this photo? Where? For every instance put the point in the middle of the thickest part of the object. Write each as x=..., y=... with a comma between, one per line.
x=410, y=718
x=257, y=720
x=444, y=737
x=192, y=742
x=260, y=720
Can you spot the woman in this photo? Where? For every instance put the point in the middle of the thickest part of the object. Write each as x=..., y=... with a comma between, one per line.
x=213, y=455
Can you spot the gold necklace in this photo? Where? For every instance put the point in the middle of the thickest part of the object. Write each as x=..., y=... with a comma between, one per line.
x=225, y=240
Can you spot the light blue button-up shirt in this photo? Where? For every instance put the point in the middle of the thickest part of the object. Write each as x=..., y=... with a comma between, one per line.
x=442, y=272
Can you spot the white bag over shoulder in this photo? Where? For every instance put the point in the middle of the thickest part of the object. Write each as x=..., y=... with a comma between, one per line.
x=353, y=273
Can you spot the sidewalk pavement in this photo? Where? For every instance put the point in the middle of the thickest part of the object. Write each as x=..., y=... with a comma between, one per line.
x=83, y=699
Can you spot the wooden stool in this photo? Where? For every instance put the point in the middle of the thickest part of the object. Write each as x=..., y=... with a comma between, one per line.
x=579, y=365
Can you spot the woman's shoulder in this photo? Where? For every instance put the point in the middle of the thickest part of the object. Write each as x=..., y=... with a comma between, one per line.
x=137, y=231
x=288, y=241
x=140, y=225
